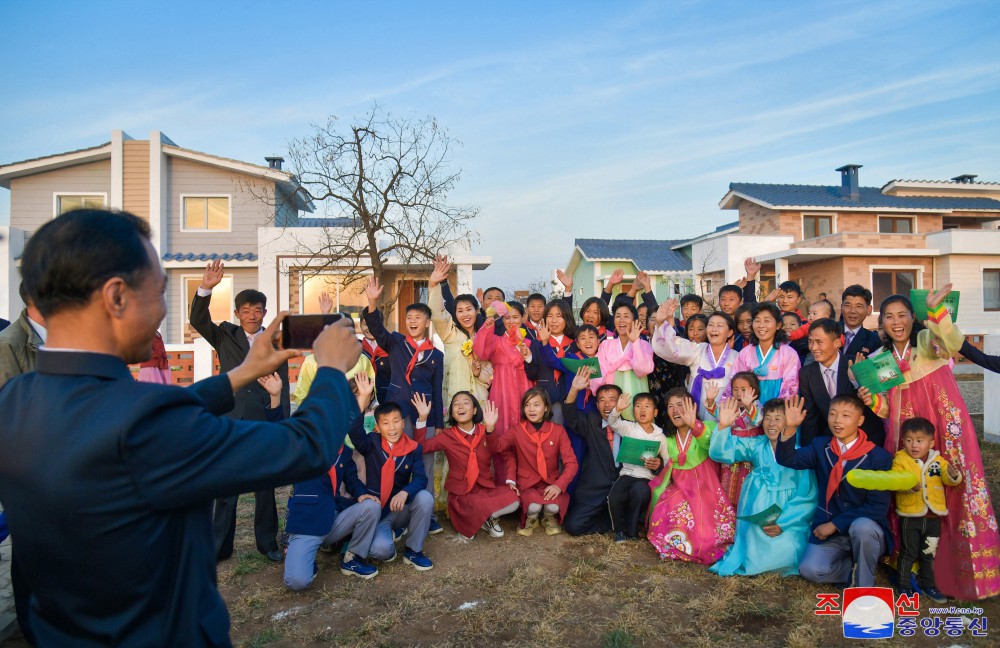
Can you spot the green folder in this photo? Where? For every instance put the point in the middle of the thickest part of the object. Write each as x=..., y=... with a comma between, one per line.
x=574, y=365
x=879, y=373
x=767, y=517
x=919, y=300
x=635, y=451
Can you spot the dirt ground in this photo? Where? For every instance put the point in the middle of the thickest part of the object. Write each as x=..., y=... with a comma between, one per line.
x=537, y=591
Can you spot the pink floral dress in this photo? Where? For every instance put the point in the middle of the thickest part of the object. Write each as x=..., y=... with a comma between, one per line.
x=690, y=518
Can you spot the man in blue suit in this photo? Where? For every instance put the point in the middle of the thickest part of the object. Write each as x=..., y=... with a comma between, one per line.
x=855, y=306
x=108, y=482
x=850, y=528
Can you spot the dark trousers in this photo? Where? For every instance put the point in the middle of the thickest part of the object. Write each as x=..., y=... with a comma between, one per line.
x=587, y=513
x=22, y=597
x=265, y=524
x=918, y=538
x=628, y=502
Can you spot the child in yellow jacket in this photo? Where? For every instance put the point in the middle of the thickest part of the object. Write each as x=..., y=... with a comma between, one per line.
x=920, y=509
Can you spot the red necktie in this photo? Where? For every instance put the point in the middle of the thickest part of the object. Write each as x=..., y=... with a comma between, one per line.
x=426, y=345
x=471, y=442
x=403, y=447
x=611, y=440
x=333, y=471
x=539, y=438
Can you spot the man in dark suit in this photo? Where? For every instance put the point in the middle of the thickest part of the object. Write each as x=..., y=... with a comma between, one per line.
x=821, y=381
x=109, y=495
x=855, y=306
x=232, y=343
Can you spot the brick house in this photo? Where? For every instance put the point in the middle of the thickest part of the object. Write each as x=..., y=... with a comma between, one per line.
x=906, y=234
x=200, y=207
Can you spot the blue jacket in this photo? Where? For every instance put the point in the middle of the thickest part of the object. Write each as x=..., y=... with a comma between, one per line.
x=410, y=475
x=313, y=506
x=427, y=375
x=131, y=468
x=848, y=503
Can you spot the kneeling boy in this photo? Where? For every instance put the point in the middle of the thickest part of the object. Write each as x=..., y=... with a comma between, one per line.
x=850, y=530
x=395, y=475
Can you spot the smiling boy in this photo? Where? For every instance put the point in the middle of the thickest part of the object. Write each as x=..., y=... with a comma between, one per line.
x=850, y=530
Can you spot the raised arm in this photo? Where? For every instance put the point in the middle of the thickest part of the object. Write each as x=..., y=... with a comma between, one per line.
x=667, y=344
x=200, y=316
x=985, y=361
x=373, y=317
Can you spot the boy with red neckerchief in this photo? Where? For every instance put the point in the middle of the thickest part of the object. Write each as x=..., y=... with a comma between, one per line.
x=416, y=367
x=850, y=528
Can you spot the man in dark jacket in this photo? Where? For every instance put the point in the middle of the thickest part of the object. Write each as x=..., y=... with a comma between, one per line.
x=123, y=472
x=232, y=343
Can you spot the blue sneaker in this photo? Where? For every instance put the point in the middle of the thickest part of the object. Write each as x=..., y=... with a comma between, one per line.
x=435, y=527
x=397, y=534
x=359, y=568
x=935, y=595
x=419, y=561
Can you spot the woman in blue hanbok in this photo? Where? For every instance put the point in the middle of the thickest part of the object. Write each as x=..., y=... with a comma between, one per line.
x=775, y=547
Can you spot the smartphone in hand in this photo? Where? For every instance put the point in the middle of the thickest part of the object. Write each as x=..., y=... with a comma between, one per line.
x=301, y=331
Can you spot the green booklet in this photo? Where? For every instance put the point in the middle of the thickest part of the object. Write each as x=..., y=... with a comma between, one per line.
x=634, y=451
x=919, y=300
x=574, y=365
x=879, y=373
x=767, y=517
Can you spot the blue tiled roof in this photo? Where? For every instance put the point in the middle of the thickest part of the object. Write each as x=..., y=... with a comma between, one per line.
x=722, y=228
x=225, y=256
x=651, y=256
x=325, y=222
x=780, y=195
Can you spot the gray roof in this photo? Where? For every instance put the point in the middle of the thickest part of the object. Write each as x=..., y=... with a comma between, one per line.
x=211, y=256
x=651, y=256
x=325, y=222
x=784, y=195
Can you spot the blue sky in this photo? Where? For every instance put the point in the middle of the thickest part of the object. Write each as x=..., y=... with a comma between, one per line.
x=577, y=119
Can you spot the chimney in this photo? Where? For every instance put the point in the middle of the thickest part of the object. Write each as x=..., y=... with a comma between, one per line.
x=274, y=162
x=849, y=181
x=968, y=178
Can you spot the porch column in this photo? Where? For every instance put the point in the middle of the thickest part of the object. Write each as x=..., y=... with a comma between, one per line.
x=991, y=392
x=780, y=271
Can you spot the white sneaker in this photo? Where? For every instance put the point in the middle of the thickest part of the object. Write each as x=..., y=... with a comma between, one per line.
x=492, y=526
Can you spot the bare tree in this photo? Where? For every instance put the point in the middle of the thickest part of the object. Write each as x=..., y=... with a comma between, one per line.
x=386, y=179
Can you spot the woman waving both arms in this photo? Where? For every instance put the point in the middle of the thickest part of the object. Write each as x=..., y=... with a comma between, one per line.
x=626, y=359
x=968, y=560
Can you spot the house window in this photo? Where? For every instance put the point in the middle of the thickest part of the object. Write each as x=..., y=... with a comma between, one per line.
x=814, y=226
x=892, y=282
x=895, y=225
x=69, y=202
x=221, y=307
x=991, y=290
x=205, y=214
x=349, y=298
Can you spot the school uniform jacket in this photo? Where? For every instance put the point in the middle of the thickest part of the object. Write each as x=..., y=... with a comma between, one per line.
x=448, y=441
x=131, y=468
x=848, y=503
x=812, y=387
x=410, y=475
x=523, y=472
x=383, y=374
x=427, y=377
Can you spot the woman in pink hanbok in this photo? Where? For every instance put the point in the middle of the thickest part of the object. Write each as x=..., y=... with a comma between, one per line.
x=626, y=359
x=502, y=342
x=690, y=517
x=769, y=355
x=967, y=563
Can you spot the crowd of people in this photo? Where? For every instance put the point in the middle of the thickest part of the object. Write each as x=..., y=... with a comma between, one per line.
x=737, y=438
x=752, y=411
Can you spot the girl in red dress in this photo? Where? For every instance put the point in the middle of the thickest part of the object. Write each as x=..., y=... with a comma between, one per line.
x=474, y=500
x=534, y=448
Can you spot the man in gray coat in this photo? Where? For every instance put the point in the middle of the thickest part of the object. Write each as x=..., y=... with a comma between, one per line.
x=20, y=340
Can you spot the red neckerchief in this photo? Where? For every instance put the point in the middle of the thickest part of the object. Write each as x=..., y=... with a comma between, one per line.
x=403, y=447
x=560, y=348
x=471, y=442
x=373, y=352
x=861, y=447
x=539, y=438
x=333, y=471
x=602, y=332
x=426, y=345
x=529, y=325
